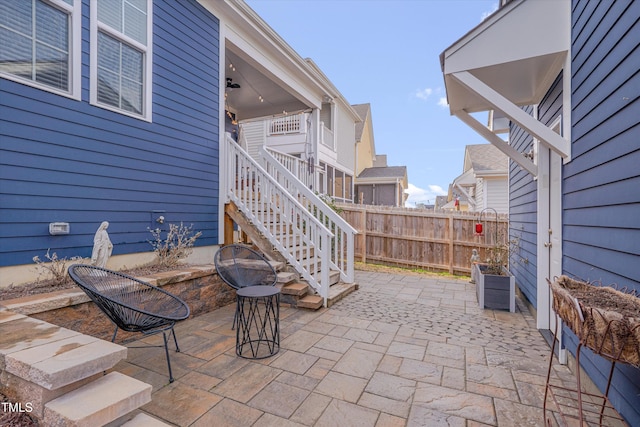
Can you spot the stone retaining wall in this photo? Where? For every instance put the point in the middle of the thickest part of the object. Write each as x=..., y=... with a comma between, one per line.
x=200, y=287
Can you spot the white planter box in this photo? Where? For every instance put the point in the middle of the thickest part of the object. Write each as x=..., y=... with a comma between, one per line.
x=494, y=292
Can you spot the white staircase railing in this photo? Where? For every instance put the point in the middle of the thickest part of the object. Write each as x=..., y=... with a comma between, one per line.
x=301, y=238
x=301, y=169
x=342, y=243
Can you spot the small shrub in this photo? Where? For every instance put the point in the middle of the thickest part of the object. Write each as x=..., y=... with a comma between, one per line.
x=177, y=244
x=331, y=202
x=54, y=268
x=499, y=253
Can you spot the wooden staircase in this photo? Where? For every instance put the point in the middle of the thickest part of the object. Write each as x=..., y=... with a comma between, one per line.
x=295, y=291
x=285, y=219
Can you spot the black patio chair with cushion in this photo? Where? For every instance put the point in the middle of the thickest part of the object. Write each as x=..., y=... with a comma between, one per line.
x=240, y=266
x=131, y=304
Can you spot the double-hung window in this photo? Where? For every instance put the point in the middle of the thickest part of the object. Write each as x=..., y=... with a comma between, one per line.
x=121, y=57
x=40, y=42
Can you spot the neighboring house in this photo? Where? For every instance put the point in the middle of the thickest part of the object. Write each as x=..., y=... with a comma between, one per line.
x=376, y=182
x=485, y=178
x=455, y=200
x=565, y=75
x=365, y=141
x=440, y=202
x=322, y=138
x=382, y=185
x=120, y=119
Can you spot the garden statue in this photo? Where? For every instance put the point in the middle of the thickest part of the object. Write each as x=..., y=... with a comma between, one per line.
x=102, y=246
x=475, y=258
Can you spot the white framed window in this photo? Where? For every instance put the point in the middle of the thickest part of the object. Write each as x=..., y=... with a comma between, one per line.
x=121, y=56
x=41, y=44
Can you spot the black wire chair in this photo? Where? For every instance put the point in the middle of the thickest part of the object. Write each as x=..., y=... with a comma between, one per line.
x=131, y=304
x=240, y=266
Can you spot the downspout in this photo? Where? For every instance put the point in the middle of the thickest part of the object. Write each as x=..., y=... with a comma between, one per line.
x=222, y=172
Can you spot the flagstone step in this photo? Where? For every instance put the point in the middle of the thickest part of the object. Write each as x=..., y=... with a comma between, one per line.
x=62, y=362
x=295, y=289
x=312, y=302
x=144, y=420
x=286, y=277
x=98, y=402
x=277, y=265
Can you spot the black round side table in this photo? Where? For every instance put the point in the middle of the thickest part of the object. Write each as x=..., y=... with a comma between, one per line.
x=258, y=314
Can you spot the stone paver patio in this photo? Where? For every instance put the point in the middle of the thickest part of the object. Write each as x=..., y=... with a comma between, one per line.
x=403, y=350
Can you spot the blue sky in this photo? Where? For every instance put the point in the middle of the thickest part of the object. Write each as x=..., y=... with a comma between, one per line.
x=386, y=53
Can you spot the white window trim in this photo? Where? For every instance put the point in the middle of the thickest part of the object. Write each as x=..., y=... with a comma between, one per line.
x=75, y=54
x=148, y=61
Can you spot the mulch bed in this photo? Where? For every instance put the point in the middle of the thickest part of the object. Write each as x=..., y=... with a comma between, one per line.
x=44, y=286
x=15, y=419
x=603, y=318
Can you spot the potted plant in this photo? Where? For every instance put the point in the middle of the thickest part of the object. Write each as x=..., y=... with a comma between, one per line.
x=495, y=285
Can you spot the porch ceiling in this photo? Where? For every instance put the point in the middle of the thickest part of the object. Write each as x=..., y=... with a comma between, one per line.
x=256, y=82
x=523, y=82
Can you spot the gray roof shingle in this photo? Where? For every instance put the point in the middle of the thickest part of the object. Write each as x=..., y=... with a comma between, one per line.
x=386, y=172
x=487, y=157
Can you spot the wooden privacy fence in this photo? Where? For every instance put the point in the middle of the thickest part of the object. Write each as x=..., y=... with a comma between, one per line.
x=440, y=241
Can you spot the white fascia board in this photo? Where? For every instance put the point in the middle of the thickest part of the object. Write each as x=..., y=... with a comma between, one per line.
x=486, y=173
x=520, y=29
x=467, y=178
x=247, y=33
x=547, y=137
x=332, y=90
x=501, y=144
x=385, y=180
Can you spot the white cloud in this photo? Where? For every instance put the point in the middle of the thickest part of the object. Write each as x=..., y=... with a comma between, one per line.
x=442, y=102
x=421, y=195
x=423, y=94
x=485, y=15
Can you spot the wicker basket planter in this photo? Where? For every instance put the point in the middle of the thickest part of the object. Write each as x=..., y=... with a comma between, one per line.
x=604, y=319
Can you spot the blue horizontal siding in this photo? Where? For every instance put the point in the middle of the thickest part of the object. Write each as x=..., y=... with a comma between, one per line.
x=617, y=216
x=523, y=214
x=69, y=161
x=608, y=193
x=614, y=170
x=601, y=197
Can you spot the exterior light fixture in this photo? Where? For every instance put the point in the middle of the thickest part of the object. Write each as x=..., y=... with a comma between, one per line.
x=57, y=228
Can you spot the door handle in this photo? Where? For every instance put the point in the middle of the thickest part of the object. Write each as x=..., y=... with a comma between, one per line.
x=547, y=245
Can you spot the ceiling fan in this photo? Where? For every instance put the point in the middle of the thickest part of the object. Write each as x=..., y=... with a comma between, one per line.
x=231, y=84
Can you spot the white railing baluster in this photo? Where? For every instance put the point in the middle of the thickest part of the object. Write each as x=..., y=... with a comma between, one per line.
x=277, y=215
x=287, y=125
x=339, y=250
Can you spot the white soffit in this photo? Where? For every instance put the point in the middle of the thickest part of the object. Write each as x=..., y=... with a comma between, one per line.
x=466, y=179
x=518, y=51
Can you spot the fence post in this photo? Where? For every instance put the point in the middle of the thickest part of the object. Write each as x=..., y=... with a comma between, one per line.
x=451, y=243
x=364, y=236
